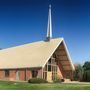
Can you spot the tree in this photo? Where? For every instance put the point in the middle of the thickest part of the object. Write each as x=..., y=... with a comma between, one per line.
x=86, y=65
x=86, y=75
x=78, y=75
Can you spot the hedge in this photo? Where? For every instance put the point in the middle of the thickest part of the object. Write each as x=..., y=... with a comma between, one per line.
x=37, y=80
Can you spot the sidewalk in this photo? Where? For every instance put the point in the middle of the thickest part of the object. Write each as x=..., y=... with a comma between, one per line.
x=76, y=82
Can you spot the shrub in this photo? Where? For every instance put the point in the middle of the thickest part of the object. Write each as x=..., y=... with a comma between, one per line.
x=62, y=80
x=37, y=80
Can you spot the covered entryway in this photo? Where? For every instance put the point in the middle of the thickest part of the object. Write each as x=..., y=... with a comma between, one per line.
x=50, y=70
x=59, y=65
x=64, y=62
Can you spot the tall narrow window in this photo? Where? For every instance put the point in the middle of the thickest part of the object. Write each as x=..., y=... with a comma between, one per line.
x=49, y=67
x=6, y=73
x=34, y=73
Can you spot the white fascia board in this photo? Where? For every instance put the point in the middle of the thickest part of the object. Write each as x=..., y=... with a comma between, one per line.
x=52, y=53
x=68, y=55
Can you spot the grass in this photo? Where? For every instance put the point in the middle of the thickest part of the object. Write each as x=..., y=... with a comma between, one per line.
x=5, y=85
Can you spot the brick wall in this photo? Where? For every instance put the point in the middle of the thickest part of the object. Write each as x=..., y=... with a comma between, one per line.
x=64, y=73
x=28, y=74
x=2, y=74
x=39, y=73
x=12, y=74
x=24, y=74
x=59, y=73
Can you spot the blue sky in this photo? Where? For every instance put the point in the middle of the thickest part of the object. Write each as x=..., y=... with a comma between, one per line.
x=25, y=21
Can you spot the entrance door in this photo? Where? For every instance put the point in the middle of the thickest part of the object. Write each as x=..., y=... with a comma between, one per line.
x=17, y=75
x=49, y=76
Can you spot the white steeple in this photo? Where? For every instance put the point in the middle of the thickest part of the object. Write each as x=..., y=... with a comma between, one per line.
x=49, y=27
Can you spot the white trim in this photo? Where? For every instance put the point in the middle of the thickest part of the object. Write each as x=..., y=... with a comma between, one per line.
x=68, y=55
x=52, y=53
x=42, y=73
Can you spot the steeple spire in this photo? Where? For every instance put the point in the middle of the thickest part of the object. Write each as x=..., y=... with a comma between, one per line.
x=49, y=27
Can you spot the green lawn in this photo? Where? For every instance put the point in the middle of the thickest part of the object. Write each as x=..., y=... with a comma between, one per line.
x=26, y=86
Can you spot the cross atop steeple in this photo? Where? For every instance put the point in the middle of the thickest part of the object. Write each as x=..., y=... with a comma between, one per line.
x=49, y=27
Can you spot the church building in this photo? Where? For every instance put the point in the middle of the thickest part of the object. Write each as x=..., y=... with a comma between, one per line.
x=47, y=59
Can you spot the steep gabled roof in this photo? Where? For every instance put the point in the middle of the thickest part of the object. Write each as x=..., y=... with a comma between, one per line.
x=29, y=55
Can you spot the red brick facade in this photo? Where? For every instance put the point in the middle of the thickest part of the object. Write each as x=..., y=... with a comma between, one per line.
x=12, y=75
x=2, y=74
x=24, y=74
x=66, y=74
